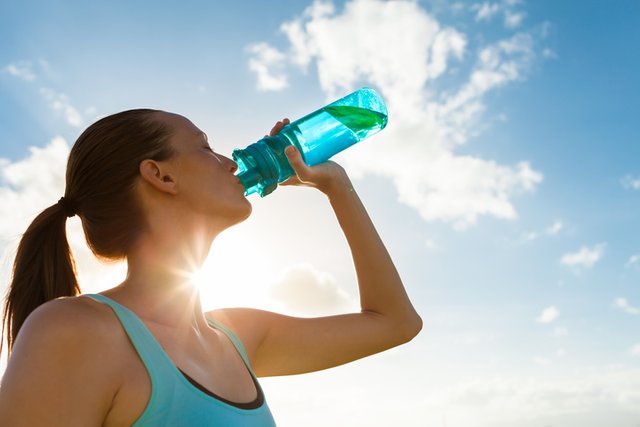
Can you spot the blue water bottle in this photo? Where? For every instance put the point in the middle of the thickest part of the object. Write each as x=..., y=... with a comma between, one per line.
x=318, y=136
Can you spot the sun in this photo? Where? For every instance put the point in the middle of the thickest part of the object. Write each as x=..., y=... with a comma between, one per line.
x=234, y=274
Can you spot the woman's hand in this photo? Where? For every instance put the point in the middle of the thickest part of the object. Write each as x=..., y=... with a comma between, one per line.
x=326, y=177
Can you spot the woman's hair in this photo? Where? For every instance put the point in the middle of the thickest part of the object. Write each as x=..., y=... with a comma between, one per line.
x=101, y=175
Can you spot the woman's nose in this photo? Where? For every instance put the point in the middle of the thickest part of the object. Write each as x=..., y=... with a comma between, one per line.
x=233, y=166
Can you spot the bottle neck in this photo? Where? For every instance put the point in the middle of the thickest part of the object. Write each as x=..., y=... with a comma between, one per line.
x=259, y=171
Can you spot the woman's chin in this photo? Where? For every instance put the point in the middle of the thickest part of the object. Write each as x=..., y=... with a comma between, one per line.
x=249, y=210
x=244, y=212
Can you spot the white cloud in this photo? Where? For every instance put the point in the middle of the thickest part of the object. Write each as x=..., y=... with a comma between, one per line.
x=623, y=305
x=554, y=228
x=22, y=70
x=513, y=20
x=530, y=236
x=404, y=58
x=60, y=102
x=485, y=10
x=634, y=261
x=265, y=61
x=57, y=101
x=585, y=257
x=631, y=182
x=635, y=350
x=548, y=315
x=304, y=290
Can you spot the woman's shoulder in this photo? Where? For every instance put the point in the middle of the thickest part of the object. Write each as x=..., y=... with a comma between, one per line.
x=64, y=358
x=70, y=320
x=71, y=334
x=73, y=310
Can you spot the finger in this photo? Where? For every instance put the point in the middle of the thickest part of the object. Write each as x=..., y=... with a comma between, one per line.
x=278, y=126
x=296, y=161
x=291, y=151
x=293, y=157
x=282, y=123
x=275, y=129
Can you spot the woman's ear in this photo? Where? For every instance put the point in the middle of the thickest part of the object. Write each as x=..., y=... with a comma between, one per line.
x=158, y=176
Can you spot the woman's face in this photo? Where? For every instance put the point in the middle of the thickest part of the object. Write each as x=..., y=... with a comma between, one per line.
x=205, y=179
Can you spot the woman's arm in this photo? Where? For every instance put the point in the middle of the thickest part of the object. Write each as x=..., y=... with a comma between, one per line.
x=280, y=345
x=61, y=372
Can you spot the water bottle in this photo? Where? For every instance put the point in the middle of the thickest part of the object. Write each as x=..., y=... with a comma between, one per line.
x=318, y=136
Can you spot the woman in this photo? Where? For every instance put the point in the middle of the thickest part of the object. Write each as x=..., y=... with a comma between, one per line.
x=149, y=190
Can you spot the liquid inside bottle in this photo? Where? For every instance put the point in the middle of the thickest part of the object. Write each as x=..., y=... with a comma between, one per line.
x=332, y=129
x=318, y=136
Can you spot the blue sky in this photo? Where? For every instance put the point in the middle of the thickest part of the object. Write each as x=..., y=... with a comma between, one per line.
x=506, y=185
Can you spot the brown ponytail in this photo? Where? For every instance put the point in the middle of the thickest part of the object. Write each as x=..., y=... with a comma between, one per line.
x=102, y=171
x=43, y=269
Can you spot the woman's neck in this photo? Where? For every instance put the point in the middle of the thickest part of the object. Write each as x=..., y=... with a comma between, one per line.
x=159, y=284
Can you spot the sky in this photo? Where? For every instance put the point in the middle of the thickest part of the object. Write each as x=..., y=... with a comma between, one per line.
x=506, y=185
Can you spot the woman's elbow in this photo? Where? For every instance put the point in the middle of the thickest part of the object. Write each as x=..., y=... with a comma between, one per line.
x=411, y=327
x=406, y=329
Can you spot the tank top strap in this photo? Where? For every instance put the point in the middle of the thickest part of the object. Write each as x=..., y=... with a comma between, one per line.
x=151, y=353
x=235, y=340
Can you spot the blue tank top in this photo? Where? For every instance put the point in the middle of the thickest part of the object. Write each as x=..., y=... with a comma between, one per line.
x=174, y=400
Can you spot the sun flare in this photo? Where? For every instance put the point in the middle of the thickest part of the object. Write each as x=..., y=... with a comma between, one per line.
x=226, y=280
